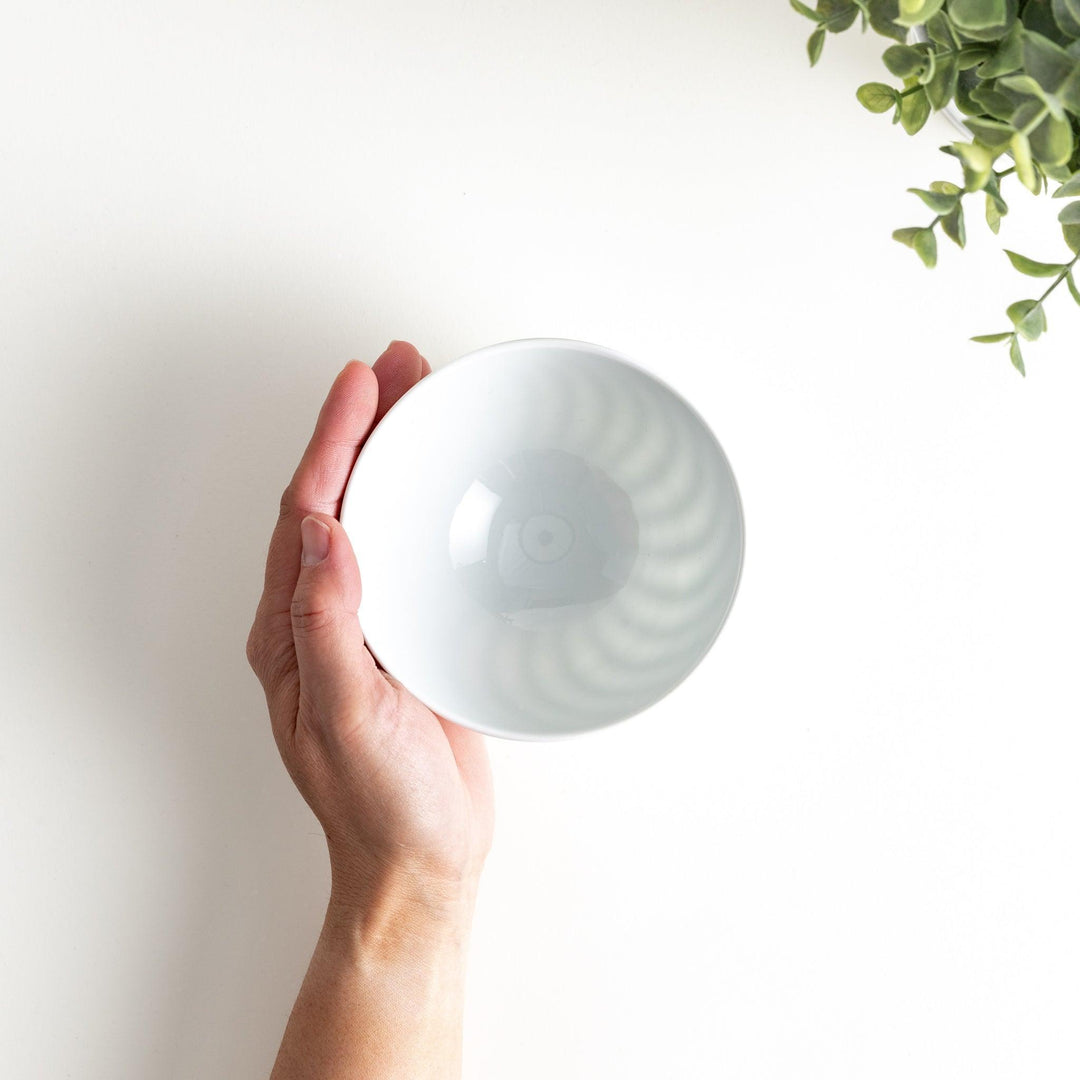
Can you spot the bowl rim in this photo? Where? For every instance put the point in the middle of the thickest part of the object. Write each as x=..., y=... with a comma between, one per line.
x=518, y=345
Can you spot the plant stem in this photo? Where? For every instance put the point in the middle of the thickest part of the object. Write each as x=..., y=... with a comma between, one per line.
x=1036, y=121
x=1060, y=278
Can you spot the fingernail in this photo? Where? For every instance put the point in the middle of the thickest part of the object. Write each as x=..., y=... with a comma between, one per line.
x=315, y=541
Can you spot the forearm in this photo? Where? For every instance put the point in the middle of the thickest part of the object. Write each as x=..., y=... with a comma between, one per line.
x=383, y=997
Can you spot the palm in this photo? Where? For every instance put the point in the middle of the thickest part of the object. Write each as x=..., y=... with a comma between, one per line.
x=379, y=769
x=423, y=784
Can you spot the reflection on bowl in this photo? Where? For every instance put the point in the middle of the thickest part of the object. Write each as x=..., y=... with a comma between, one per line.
x=543, y=537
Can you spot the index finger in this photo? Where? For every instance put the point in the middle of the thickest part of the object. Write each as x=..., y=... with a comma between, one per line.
x=358, y=397
x=319, y=481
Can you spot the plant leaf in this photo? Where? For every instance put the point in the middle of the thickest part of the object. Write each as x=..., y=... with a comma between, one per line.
x=1070, y=214
x=972, y=56
x=903, y=61
x=991, y=133
x=993, y=189
x=877, y=97
x=1016, y=357
x=977, y=14
x=1070, y=188
x=978, y=164
x=1019, y=309
x=993, y=214
x=939, y=203
x=1072, y=287
x=916, y=12
x=1048, y=64
x=883, y=14
x=1033, y=268
x=953, y=226
x=839, y=14
x=1038, y=17
x=1072, y=237
x=1008, y=56
x=941, y=86
x=1028, y=317
x=802, y=9
x=991, y=339
x=1066, y=17
x=1033, y=324
x=907, y=236
x=939, y=29
x=925, y=245
x=1052, y=142
x=814, y=45
x=915, y=111
x=1021, y=152
x=994, y=102
x=1024, y=87
x=921, y=240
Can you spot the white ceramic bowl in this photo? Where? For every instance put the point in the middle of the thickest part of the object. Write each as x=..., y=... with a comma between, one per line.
x=549, y=538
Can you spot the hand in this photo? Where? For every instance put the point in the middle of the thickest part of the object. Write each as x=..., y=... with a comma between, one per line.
x=404, y=796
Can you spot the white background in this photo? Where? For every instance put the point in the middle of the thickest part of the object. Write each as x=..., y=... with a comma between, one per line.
x=844, y=848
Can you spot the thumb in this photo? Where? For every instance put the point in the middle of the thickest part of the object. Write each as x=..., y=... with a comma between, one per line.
x=337, y=673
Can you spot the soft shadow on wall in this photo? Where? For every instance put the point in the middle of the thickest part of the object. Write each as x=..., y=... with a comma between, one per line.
x=195, y=408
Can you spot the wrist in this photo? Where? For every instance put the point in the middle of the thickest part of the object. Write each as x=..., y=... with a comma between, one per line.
x=385, y=988
x=398, y=915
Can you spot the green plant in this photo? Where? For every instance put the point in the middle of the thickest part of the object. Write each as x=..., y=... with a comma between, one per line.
x=1012, y=69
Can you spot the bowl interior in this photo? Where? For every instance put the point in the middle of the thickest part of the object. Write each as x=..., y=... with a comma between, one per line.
x=549, y=539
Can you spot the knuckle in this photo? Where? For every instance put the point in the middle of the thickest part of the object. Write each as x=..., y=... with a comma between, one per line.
x=252, y=648
x=271, y=656
x=287, y=503
x=310, y=615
